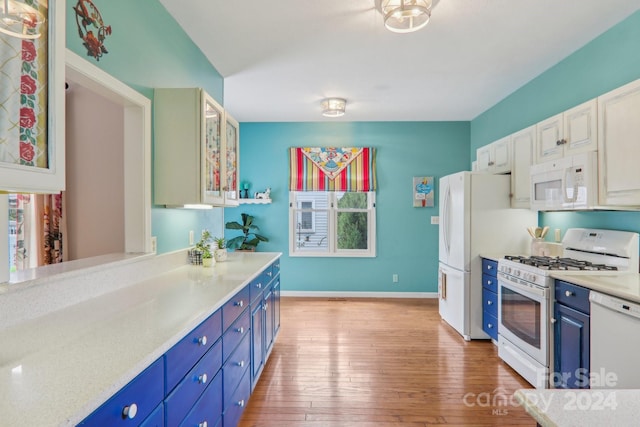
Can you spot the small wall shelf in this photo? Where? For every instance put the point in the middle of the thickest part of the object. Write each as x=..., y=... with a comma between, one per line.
x=254, y=201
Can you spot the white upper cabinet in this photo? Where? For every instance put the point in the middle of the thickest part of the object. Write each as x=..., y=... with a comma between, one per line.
x=619, y=146
x=571, y=132
x=522, y=145
x=495, y=157
x=194, y=163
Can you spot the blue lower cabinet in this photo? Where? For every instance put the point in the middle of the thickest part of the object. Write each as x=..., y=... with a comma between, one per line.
x=156, y=419
x=134, y=403
x=490, y=325
x=208, y=409
x=183, y=397
x=235, y=368
x=257, y=346
x=234, y=409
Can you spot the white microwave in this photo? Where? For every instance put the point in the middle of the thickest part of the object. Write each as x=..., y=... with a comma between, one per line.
x=569, y=183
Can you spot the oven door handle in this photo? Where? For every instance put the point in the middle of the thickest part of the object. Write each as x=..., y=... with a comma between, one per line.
x=503, y=281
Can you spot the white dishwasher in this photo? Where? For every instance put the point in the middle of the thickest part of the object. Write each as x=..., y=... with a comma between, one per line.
x=615, y=342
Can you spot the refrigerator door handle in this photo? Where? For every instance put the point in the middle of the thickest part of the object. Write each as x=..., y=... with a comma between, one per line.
x=442, y=285
x=445, y=219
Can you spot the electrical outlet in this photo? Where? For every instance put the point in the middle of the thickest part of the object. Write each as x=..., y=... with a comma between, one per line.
x=191, y=238
x=395, y=278
x=154, y=244
x=435, y=220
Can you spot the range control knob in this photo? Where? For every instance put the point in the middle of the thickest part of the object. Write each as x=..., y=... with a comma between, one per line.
x=517, y=273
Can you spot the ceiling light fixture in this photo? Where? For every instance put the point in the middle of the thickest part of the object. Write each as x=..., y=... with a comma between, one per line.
x=19, y=20
x=405, y=16
x=333, y=107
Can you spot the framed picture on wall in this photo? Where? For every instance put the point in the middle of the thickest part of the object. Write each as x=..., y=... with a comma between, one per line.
x=423, y=192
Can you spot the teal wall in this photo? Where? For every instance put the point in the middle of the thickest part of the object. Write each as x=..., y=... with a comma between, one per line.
x=407, y=243
x=148, y=49
x=609, y=61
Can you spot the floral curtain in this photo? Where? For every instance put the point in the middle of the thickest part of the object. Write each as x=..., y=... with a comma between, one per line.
x=39, y=230
x=23, y=97
x=332, y=169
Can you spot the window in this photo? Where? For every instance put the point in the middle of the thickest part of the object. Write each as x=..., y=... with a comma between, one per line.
x=337, y=224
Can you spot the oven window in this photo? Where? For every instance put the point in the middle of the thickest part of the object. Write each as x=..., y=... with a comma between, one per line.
x=521, y=315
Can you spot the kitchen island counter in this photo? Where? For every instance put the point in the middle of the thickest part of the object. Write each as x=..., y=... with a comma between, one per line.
x=57, y=368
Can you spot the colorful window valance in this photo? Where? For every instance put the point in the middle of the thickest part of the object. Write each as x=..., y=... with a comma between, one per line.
x=332, y=169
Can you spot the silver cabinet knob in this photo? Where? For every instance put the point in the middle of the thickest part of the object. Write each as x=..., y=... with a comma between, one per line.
x=239, y=303
x=240, y=330
x=202, y=379
x=203, y=424
x=269, y=273
x=490, y=325
x=130, y=411
x=489, y=302
x=240, y=363
x=202, y=340
x=240, y=403
x=259, y=285
x=568, y=293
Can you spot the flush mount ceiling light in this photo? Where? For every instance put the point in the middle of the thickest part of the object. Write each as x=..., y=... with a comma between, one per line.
x=333, y=107
x=20, y=20
x=405, y=16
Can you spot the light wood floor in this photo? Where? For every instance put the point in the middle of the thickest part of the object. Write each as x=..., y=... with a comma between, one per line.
x=380, y=362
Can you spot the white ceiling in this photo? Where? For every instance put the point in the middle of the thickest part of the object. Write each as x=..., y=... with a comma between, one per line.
x=280, y=58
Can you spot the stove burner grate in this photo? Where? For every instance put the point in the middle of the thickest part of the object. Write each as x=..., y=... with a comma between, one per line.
x=557, y=263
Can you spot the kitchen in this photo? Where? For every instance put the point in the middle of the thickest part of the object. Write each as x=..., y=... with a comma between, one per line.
x=604, y=64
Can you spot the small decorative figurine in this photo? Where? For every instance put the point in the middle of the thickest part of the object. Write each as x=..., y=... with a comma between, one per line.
x=264, y=195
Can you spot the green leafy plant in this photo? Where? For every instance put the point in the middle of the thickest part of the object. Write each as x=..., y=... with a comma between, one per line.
x=220, y=242
x=204, y=245
x=249, y=239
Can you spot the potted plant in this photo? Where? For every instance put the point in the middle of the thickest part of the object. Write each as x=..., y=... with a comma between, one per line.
x=204, y=246
x=220, y=251
x=249, y=239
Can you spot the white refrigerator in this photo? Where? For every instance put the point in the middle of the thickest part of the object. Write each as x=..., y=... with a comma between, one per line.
x=475, y=218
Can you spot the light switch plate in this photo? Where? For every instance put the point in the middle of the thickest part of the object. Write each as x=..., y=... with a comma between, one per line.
x=435, y=220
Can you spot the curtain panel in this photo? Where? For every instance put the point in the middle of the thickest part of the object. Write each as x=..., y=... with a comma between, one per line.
x=332, y=169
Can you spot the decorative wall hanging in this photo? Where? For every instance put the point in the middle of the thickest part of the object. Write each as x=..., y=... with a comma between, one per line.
x=423, y=193
x=88, y=19
x=332, y=169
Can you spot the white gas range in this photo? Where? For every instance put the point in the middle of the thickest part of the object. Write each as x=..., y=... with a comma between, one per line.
x=525, y=294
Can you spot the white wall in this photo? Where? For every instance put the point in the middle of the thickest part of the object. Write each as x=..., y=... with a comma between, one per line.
x=95, y=174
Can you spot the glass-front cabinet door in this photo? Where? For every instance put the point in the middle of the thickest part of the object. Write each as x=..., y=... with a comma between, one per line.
x=213, y=180
x=32, y=101
x=232, y=164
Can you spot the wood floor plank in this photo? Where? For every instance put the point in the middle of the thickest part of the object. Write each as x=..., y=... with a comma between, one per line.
x=380, y=362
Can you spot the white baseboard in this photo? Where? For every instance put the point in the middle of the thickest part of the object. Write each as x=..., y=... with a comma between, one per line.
x=330, y=294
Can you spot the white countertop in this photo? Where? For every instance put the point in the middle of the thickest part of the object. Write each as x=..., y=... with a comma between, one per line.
x=580, y=408
x=57, y=368
x=622, y=285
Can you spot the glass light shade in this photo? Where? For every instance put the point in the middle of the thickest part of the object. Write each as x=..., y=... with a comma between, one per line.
x=20, y=20
x=405, y=16
x=333, y=107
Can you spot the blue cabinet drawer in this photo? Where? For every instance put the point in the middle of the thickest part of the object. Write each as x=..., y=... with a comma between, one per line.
x=489, y=267
x=232, y=308
x=182, y=356
x=235, y=334
x=490, y=325
x=490, y=302
x=182, y=398
x=208, y=408
x=257, y=285
x=235, y=368
x=238, y=401
x=573, y=296
x=490, y=282
x=156, y=419
x=135, y=402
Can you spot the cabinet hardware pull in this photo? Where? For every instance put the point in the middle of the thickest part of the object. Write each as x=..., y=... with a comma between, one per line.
x=240, y=330
x=490, y=325
x=489, y=302
x=130, y=411
x=202, y=379
x=568, y=293
x=259, y=285
x=269, y=273
x=241, y=363
x=239, y=303
x=202, y=340
x=240, y=403
x=203, y=424
x=489, y=282
x=489, y=267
